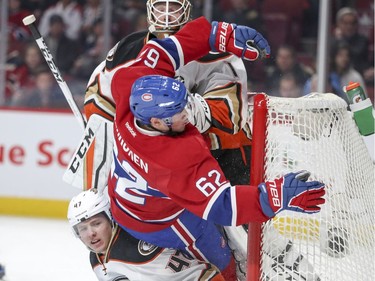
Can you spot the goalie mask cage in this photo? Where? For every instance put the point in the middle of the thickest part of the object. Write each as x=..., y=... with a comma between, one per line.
x=314, y=133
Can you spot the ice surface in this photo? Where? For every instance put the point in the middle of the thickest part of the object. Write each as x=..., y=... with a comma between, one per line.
x=37, y=249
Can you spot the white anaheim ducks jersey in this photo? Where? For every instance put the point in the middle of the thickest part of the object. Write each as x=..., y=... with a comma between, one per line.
x=128, y=258
x=222, y=80
x=219, y=77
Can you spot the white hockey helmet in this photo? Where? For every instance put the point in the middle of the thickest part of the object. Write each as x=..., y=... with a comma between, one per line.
x=86, y=205
x=167, y=16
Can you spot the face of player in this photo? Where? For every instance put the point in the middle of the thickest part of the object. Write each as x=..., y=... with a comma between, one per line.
x=167, y=17
x=171, y=14
x=178, y=123
x=96, y=232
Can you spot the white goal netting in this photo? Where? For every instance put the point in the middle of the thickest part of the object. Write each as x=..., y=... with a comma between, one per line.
x=318, y=134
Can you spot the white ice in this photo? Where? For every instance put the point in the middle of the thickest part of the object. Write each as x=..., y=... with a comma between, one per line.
x=37, y=249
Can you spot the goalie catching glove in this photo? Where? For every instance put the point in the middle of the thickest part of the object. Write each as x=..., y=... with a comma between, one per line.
x=199, y=113
x=242, y=41
x=291, y=192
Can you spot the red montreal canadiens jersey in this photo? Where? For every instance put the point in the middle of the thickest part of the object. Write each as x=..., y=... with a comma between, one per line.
x=154, y=178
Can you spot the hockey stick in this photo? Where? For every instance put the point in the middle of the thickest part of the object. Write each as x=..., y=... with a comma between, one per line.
x=30, y=22
x=96, y=131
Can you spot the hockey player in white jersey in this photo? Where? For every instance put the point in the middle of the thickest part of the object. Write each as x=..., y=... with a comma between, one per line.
x=116, y=255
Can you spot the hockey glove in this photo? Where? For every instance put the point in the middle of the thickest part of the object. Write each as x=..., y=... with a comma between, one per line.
x=199, y=113
x=291, y=192
x=242, y=41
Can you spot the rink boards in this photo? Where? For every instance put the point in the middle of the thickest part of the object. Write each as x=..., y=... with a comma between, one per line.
x=35, y=148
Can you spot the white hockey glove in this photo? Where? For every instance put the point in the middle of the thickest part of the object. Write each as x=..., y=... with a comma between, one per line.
x=199, y=112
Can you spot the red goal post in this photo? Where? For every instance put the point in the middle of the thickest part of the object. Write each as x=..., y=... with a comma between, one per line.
x=315, y=133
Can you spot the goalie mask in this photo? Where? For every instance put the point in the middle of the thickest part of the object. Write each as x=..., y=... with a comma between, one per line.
x=86, y=205
x=167, y=16
x=157, y=96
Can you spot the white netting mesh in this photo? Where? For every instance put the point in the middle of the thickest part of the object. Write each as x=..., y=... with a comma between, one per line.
x=317, y=134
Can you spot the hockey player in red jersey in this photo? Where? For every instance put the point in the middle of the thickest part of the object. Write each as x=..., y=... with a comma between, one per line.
x=165, y=186
x=219, y=77
x=116, y=255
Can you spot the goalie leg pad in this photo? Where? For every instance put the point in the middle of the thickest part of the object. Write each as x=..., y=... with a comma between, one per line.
x=237, y=241
x=91, y=162
x=285, y=259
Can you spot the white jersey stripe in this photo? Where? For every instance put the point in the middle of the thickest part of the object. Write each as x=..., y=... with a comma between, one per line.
x=213, y=200
x=165, y=53
x=233, y=199
x=189, y=240
x=179, y=50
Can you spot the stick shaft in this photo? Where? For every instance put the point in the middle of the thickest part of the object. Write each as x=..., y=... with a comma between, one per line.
x=30, y=22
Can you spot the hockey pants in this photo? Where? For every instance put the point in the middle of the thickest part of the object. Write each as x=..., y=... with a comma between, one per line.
x=199, y=238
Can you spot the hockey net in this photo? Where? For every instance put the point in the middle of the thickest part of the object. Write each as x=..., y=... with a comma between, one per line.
x=314, y=133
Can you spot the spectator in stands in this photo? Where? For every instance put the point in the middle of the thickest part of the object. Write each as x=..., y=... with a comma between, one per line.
x=15, y=25
x=126, y=14
x=347, y=31
x=92, y=11
x=21, y=73
x=64, y=50
x=286, y=62
x=243, y=12
x=289, y=87
x=283, y=18
x=18, y=34
x=141, y=23
x=94, y=52
x=45, y=94
x=130, y=9
x=70, y=11
x=197, y=9
x=341, y=72
x=37, y=7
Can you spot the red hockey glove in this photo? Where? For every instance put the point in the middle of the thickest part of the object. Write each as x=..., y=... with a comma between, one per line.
x=291, y=192
x=242, y=41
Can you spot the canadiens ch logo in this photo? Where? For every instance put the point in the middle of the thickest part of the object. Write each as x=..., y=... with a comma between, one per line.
x=147, y=97
x=145, y=248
